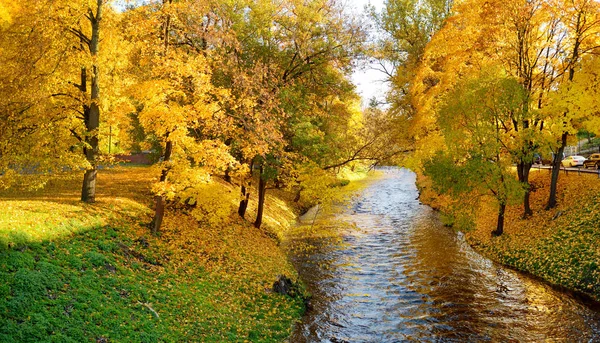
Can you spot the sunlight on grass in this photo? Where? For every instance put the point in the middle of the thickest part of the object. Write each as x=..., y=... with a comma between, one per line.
x=55, y=211
x=78, y=272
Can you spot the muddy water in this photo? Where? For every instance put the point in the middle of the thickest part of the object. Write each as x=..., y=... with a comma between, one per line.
x=386, y=270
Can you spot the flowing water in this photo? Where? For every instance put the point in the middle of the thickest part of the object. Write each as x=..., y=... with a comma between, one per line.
x=387, y=270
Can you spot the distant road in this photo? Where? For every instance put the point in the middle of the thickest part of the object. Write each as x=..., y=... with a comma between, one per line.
x=569, y=169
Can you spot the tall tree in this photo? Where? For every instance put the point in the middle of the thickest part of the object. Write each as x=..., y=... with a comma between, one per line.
x=477, y=158
x=581, y=22
x=177, y=97
x=62, y=41
x=90, y=43
x=280, y=48
x=405, y=27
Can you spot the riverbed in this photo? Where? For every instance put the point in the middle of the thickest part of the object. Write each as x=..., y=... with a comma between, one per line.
x=385, y=269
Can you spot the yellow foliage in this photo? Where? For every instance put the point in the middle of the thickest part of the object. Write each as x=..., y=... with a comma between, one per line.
x=6, y=10
x=214, y=203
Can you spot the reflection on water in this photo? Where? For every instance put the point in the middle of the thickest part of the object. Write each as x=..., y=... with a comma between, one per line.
x=398, y=275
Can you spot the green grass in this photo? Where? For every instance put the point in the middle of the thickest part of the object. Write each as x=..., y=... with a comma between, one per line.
x=71, y=272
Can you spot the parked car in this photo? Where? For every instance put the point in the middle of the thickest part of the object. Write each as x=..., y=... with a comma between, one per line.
x=573, y=161
x=593, y=161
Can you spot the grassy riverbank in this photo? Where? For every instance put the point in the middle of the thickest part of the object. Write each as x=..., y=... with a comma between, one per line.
x=73, y=272
x=560, y=246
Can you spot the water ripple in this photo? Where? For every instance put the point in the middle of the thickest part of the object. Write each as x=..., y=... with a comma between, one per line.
x=398, y=275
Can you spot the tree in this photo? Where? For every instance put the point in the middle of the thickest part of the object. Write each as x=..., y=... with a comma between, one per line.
x=175, y=93
x=59, y=93
x=527, y=38
x=475, y=121
x=405, y=27
x=91, y=112
x=581, y=22
x=282, y=54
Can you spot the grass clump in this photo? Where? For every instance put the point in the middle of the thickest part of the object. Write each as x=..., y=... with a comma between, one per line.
x=74, y=272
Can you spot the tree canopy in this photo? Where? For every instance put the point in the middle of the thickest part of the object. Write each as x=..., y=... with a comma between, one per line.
x=237, y=90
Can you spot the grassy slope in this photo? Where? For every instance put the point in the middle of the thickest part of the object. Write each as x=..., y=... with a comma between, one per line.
x=72, y=272
x=562, y=245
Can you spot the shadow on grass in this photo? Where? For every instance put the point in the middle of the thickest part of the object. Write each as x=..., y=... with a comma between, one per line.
x=74, y=272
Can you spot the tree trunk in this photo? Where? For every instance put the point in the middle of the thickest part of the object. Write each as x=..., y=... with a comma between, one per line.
x=523, y=169
x=245, y=195
x=159, y=214
x=500, y=225
x=227, y=177
x=262, y=190
x=88, y=190
x=556, y=171
x=298, y=194
x=92, y=113
x=244, y=202
x=159, y=210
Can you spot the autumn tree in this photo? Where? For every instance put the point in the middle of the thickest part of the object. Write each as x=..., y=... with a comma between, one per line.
x=404, y=29
x=180, y=105
x=89, y=43
x=475, y=121
x=284, y=55
x=580, y=21
x=526, y=38
x=60, y=84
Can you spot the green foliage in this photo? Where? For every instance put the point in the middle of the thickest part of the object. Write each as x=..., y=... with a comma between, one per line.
x=407, y=27
x=476, y=123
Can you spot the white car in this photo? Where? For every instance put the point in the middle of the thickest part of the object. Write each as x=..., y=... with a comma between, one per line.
x=573, y=161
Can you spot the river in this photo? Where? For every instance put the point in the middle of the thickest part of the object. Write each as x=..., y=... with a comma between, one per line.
x=384, y=269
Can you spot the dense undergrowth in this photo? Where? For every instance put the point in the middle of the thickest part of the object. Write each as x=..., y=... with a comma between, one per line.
x=75, y=272
x=560, y=246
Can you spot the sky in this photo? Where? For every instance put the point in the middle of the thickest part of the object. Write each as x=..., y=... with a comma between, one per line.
x=368, y=81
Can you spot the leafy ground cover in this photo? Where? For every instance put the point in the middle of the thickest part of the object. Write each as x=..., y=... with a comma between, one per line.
x=562, y=245
x=74, y=272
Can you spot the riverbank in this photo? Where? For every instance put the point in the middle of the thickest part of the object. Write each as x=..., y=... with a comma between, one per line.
x=76, y=272
x=559, y=246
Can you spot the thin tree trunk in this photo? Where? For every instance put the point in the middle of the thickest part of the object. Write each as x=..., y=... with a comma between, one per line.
x=298, y=194
x=556, y=171
x=500, y=225
x=227, y=177
x=523, y=169
x=159, y=209
x=557, y=159
x=262, y=190
x=245, y=195
x=92, y=113
x=244, y=202
x=159, y=214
